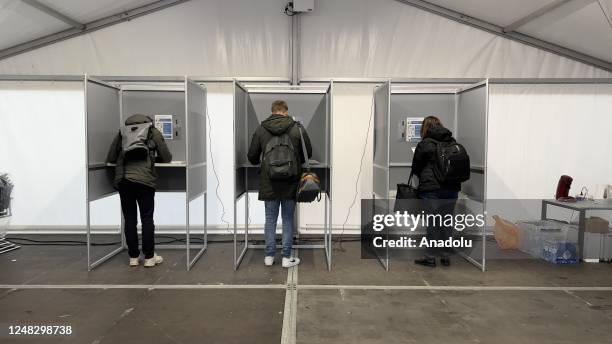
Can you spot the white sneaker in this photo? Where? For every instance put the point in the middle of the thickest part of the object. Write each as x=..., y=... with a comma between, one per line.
x=289, y=262
x=269, y=260
x=134, y=261
x=151, y=262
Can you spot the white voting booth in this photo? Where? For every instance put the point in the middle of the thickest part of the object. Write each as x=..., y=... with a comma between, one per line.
x=311, y=105
x=399, y=107
x=107, y=106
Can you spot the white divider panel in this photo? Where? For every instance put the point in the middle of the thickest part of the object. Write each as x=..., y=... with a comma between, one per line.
x=103, y=120
x=472, y=134
x=381, y=141
x=240, y=138
x=380, y=186
x=329, y=139
x=471, y=123
x=195, y=97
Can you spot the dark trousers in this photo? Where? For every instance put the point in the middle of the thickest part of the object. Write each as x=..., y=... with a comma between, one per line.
x=439, y=202
x=133, y=194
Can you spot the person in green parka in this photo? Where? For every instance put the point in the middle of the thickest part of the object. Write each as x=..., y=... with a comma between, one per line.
x=135, y=178
x=279, y=193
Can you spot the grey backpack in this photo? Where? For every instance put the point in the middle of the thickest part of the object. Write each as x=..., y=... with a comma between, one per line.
x=280, y=158
x=134, y=141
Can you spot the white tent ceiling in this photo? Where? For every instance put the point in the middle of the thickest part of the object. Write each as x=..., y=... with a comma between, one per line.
x=87, y=11
x=579, y=25
x=584, y=26
x=20, y=22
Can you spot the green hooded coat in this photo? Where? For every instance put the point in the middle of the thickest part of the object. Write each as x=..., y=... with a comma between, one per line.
x=273, y=126
x=139, y=171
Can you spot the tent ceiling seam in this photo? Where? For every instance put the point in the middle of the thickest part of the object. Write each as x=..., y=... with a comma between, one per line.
x=515, y=36
x=534, y=15
x=53, y=13
x=606, y=14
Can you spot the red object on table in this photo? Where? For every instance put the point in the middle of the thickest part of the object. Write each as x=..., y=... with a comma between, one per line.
x=563, y=188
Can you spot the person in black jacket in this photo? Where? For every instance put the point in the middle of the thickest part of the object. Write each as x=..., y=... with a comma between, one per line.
x=278, y=193
x=425, y=155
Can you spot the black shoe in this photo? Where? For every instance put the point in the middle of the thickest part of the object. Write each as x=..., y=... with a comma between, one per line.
x=445, y=261
x=426, y=261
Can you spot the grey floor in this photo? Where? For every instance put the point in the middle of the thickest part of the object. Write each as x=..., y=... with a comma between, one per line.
x=514, y=301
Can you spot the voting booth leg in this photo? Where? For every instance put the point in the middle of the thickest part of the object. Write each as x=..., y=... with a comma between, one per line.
x=191, y=262
x=471, y=260
x=238, y=257
x=329, y=235
x=384, y=261
x=327, y=232
x=246, y=218
x=188, y=245
x=92, y=265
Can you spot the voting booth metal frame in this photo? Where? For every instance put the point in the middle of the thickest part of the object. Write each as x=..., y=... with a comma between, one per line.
x=105, y=111
x=251, y=105
x=463, y=104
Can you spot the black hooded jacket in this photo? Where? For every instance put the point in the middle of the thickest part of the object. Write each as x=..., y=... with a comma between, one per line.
x=273, y=126
x=424, y=159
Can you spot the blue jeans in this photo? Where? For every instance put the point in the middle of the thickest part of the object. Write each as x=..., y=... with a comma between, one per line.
x=433, y=205
x=287, y=212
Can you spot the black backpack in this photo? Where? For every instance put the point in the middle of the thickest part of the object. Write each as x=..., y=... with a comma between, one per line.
x=279, y=158
x=451, y=163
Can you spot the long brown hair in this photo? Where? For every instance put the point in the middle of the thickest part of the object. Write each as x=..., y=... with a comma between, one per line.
x=428, y=123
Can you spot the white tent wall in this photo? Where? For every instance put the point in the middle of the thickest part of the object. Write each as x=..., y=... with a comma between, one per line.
x=42, y=139
x=352, y=160
x=341, y=38
x=538, y=133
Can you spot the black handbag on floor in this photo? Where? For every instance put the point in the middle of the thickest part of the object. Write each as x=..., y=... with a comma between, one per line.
x=309, y=187
x=405, y=192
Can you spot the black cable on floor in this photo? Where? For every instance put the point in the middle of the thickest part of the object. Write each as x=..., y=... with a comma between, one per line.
x=171, y=240
x=33, y=242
